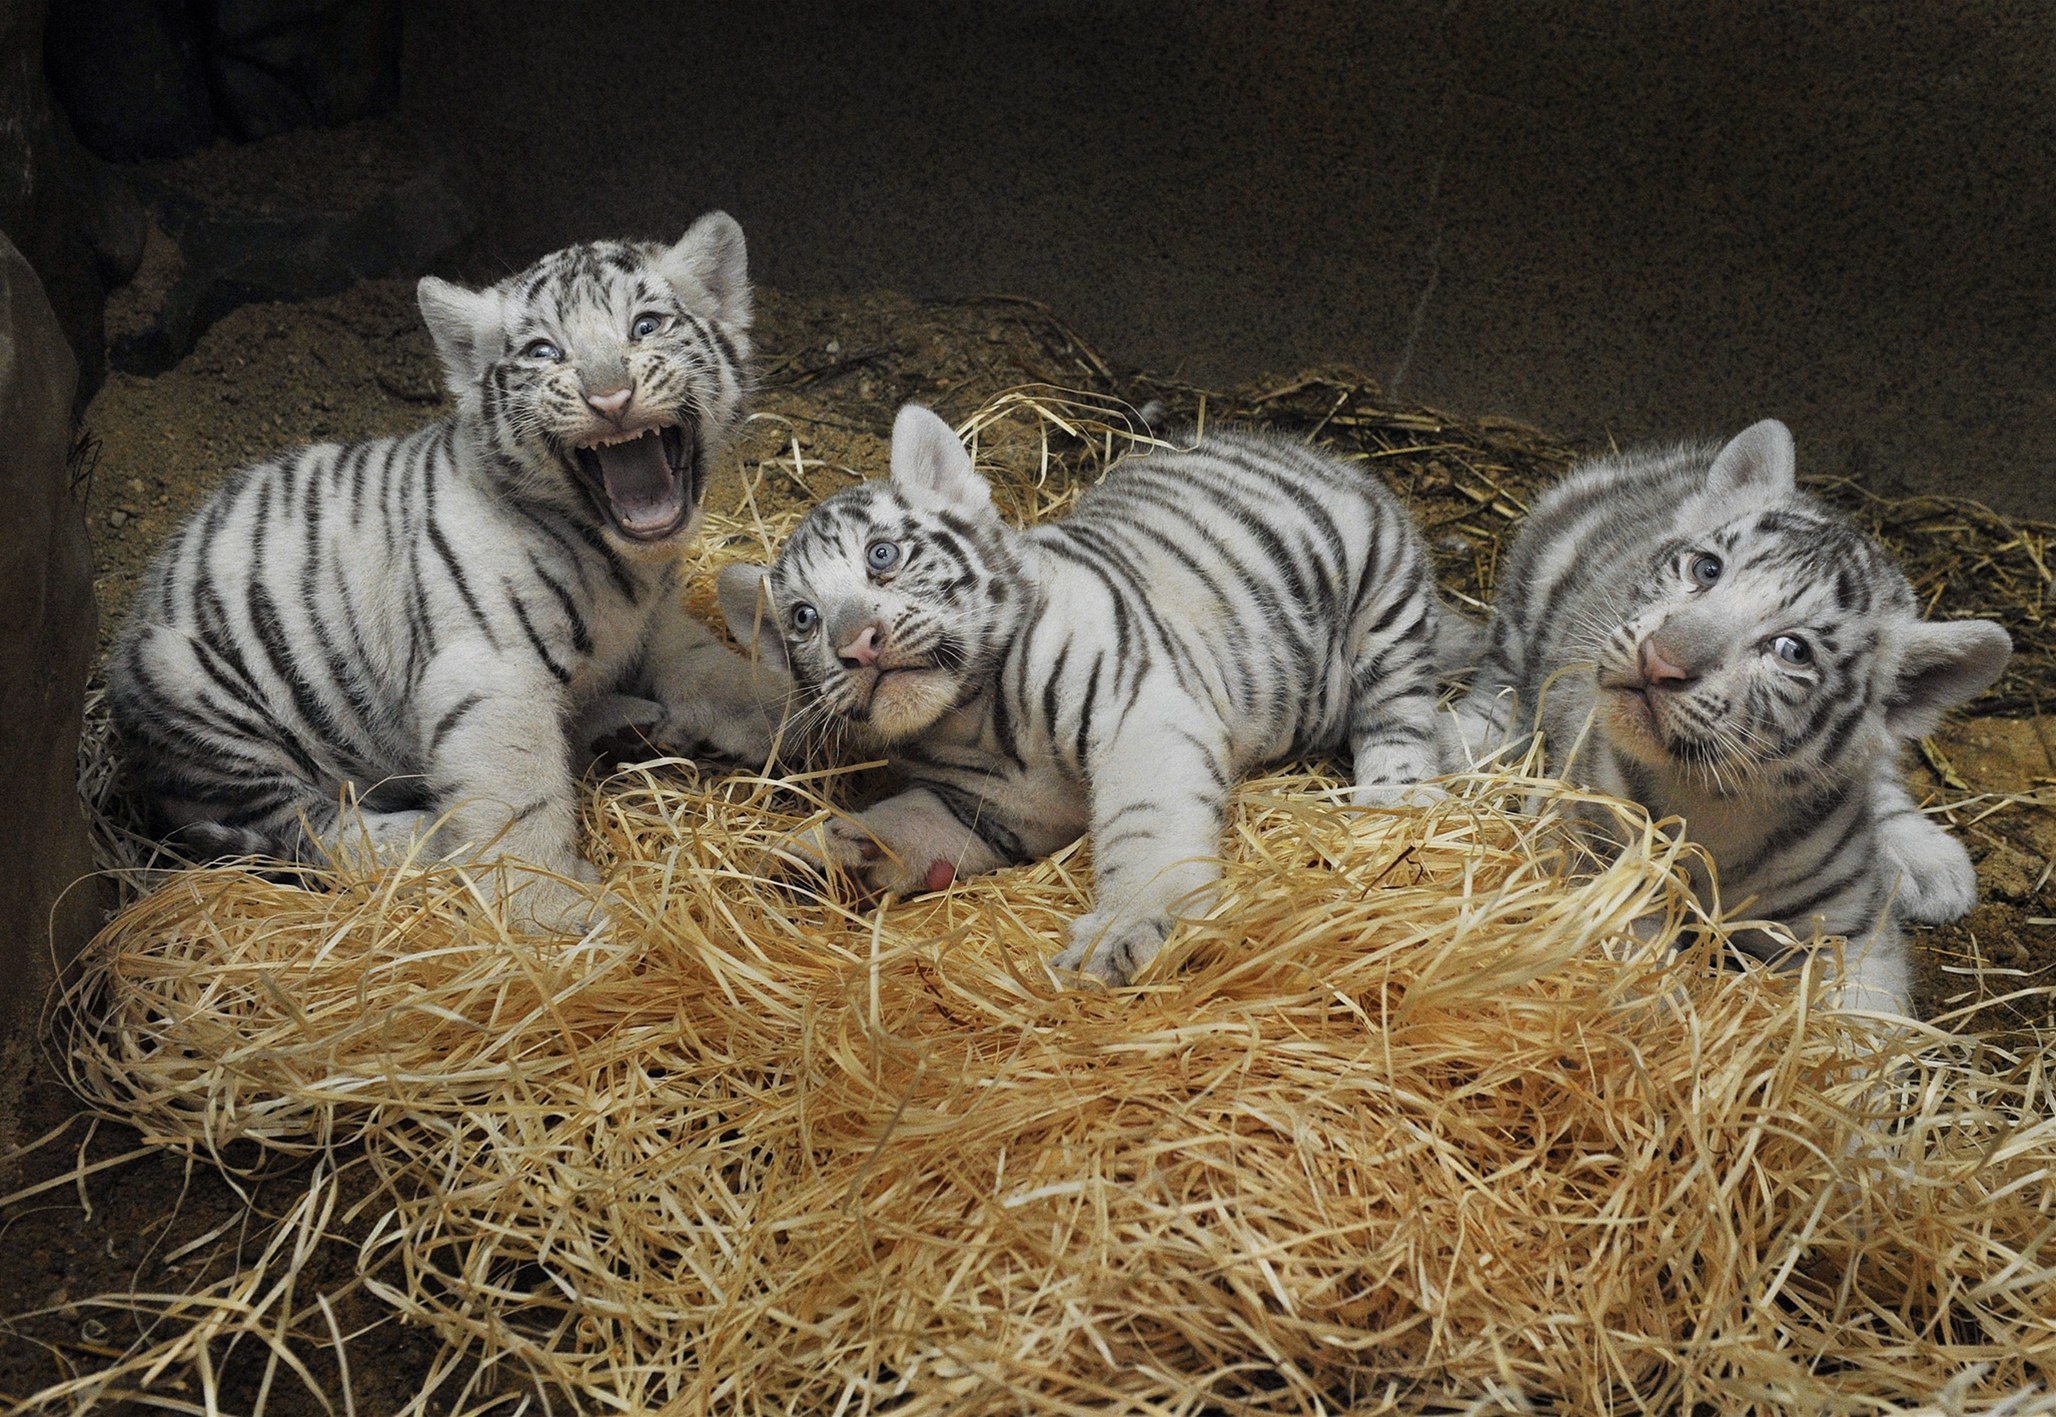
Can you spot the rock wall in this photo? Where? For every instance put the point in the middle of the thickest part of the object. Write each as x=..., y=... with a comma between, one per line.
x=157, y=78
x=46, y=641
x=79, y=224
x=69, y=231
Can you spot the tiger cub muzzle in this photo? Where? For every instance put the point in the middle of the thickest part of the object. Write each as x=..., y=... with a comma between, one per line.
x=1659, y=684
x=894, y=687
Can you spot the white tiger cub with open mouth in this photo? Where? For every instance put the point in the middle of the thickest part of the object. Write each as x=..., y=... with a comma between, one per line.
x=1721, y=647
x=429, y=620
x=1198, y=613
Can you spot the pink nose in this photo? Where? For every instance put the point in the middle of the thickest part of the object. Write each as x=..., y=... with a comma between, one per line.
x=612, y=402
x=1658, y=670
x=862, y=648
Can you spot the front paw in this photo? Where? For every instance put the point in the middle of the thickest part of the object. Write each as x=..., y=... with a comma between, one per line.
x=618, y=729
x=536, y=904
x=742, y=738
x=1112, y=953
x=1938, y=884
x=1398, y=794
x=844, y=848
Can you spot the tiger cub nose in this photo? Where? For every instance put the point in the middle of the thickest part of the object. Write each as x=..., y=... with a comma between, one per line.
x=862, y=649
x=611, y=403
x=1659, y=669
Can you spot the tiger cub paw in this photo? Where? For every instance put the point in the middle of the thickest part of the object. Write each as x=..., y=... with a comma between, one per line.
x=545, y=905
x=1109, y=952
x=1937, y=882
x=618, y=729
x=846, y=848
x=1398, y=794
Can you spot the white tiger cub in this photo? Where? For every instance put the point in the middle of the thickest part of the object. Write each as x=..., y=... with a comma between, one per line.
x=1198, y=613
x=1732, y=652
x=420, y=619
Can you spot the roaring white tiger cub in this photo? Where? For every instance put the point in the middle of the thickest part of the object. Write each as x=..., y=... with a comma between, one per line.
x=1750, y=662
x=420, y=619
x=1200, y=612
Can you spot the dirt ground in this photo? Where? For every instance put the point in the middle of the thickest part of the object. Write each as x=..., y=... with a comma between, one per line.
x=117, y=1215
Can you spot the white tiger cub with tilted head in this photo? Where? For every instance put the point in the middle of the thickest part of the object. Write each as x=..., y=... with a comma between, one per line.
x=1198, y=613
x=1718, y=646
x=422, y=620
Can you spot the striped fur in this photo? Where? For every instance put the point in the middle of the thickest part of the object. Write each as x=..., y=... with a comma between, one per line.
x=1199, y=613
x=1709, y=641
x=418, y=620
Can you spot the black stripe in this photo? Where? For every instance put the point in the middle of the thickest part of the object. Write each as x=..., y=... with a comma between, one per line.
x=441, y=544
x=581, y=637
x=563, y=675
x=980, y=818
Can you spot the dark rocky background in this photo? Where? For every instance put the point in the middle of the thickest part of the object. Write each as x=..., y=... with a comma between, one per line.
x=1615, y=221
x=1611, y=219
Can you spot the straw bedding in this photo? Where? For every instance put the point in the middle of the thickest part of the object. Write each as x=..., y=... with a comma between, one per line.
x=1430, y=1112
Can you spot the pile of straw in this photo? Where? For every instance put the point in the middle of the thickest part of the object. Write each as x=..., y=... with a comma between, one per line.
x=1430, y=1111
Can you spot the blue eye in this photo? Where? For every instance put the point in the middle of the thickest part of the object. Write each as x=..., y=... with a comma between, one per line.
x=1792, y=649
x=882, y=555
x=804, y=619
x=1704, y=569
x=645, y=325
x=541, y=349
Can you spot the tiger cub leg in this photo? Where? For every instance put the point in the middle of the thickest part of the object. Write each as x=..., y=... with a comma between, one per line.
x=1877, y=968
x=499, y=767
x=1159, y=806
x=366, y=840
x=1936, y=881
x=1877, y=973
x=1395, y=733
x=717, y=704
x=1478, y=726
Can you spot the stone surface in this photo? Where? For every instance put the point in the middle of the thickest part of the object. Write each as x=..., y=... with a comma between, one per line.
x=46, y=641
x=283, y=64
x=223, y=258
x=78, y=224
x=130, y=74
x=144, y=79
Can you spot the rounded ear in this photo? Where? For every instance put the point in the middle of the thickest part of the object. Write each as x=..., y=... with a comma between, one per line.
x=742, y=592
x=1942, y=664
x=931, y=466
x=1759, y=460
x=466, y=327
x=709, y=268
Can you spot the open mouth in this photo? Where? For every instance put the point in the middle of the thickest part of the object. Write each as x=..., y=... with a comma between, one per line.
x=641, y=482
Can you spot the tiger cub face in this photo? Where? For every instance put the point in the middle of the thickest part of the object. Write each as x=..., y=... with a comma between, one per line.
x=1773, y=644
x=601, y=379
x=893, y=601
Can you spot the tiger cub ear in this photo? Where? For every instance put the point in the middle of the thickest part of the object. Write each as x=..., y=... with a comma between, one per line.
x=710, y=269
x=467, y=329
x=1943, y=663
x=745, y=605
x=931, y=466
x=1759, y=460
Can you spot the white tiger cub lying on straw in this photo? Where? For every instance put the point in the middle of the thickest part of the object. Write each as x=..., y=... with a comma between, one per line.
x=420, y=619
x=1705, y=639
x=1199, y=613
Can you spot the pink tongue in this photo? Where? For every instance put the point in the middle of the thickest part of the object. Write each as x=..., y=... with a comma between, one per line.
x=639, y=481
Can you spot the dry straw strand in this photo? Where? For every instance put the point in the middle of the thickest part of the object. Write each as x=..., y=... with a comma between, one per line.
x=1431, y=1111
